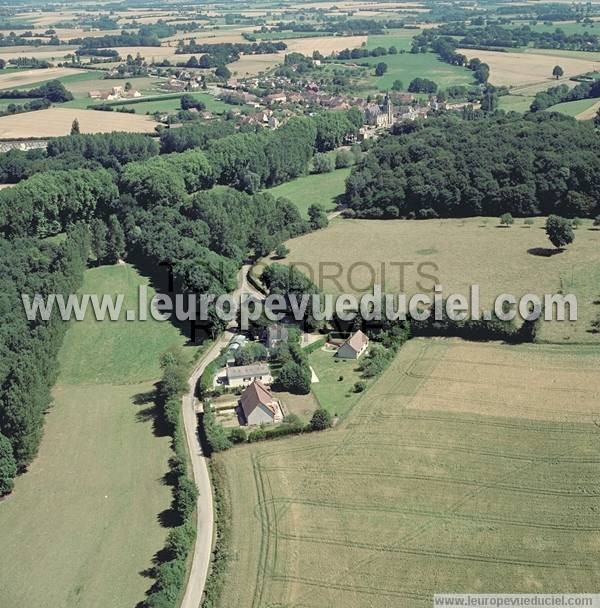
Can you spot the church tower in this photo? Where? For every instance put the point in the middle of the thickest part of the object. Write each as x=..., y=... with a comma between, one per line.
x=388, y=109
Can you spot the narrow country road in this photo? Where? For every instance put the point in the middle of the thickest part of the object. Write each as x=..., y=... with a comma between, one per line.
x=204, y=507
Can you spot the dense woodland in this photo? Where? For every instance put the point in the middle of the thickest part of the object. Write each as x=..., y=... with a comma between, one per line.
x=446, y=167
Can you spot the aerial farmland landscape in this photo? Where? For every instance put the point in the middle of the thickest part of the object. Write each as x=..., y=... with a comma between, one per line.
x=301, y=304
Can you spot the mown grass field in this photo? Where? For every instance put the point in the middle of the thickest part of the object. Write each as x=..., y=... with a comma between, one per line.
x=515, y=103
x=411, y=256
x=321, y=189
x=446, y=477
x=336, y=381
x=84, y=522
x=407, y=66
x=401, y=39
x=574, y=108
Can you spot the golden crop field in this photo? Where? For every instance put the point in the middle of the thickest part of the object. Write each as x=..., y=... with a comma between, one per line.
x=43, y=52
x=55, y=122
x=409, y=256
x=11, y=80
x=251, y=65
x=325, y=45
x=517, y=69
x=446, y=477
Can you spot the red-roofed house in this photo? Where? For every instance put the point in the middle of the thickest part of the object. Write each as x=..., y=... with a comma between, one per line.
x=354, y=346
x=259, y=405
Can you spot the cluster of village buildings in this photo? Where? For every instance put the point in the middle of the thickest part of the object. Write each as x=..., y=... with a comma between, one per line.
x=115, y=93
x=257, y=402
x=285, y=97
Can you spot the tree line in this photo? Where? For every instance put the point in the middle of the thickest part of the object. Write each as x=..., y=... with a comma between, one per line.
x=494, y=35
x=562, y=93
x=445, y=167
x=28, y=349
x=53, y=91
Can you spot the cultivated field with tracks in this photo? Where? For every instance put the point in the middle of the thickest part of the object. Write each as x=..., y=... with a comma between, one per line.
x=446, y=477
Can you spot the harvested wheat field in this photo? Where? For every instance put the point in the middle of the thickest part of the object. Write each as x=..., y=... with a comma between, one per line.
x=212, y=36
x=411, y=256
x=54, y=122
x=418, y=493
x=69, y=33
x=11, y=80
x=325, y=45
x=56, y=53
x=514, y=69
x=251, y=65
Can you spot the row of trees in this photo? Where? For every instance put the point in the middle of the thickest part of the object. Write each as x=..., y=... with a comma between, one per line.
x=53, y=91
x=28, y=349
x=361, y=52
x=170, y=572
x=495, y=35
x=446, y=167
x=562, y=93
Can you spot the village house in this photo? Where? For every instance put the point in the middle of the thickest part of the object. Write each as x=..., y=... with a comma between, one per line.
x=117, y=92
x=242, y=375
x=354, y=346
x=175, y=85
x=259, y=406
x=275, y=98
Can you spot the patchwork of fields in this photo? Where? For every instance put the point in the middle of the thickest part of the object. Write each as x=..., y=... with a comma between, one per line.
x=445, y=478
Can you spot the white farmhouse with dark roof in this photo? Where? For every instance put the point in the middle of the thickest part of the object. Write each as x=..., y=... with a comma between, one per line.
x=353, y=347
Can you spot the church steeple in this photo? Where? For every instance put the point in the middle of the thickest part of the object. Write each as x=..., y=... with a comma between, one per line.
x=388, y=109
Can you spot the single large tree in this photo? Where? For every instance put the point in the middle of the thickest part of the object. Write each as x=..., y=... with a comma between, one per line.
x=381, y=68
x=317, y=217
x=559, y=231
x=115, y=246
x=557, y=72
x=99, y=234
x=320, y=420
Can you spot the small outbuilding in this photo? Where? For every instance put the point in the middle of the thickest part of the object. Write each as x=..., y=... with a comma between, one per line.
x=354, y=346
x=259, y=405
x=242, y=375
